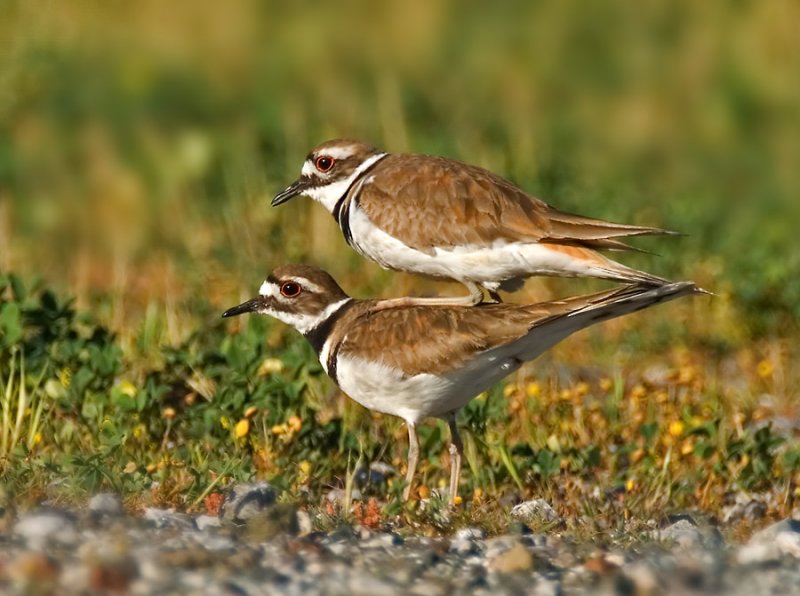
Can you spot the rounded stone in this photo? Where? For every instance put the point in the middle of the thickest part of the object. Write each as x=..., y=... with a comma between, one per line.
x=245, y=501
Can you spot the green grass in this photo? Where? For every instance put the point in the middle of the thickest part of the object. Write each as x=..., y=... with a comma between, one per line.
x=140, y=145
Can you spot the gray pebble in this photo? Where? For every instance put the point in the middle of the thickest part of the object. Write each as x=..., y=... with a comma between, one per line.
x=105, y=505
x=56, y=551
x=775, y=543
x=744, y=507
x=47, y=526
x=206, y=522
x=470, y=534
x=465, y=541
x=535, y=511
x=168, y=518
x=244, y=501
x=337, y=495
x=683, y=533
x=382, y=540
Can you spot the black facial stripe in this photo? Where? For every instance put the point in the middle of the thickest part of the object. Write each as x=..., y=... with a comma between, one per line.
x=319, y=334
x=341, y=210
x=344, y=222
x=333, y=359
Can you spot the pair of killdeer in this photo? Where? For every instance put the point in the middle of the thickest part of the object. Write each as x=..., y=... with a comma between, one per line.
x=428, y=357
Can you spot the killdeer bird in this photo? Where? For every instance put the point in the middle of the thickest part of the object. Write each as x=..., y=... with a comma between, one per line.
x=447, y=219
x=421, y=361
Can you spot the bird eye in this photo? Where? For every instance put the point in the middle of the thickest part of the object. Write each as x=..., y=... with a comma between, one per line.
x=324, y=163
x=290, y=289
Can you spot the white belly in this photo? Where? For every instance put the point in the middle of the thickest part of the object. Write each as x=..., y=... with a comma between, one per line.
x=385, y=389
x=495, y=262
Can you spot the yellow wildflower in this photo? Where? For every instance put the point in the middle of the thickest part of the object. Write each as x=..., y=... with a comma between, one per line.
x=65, y=376
x=765, y=369
x=168, y=413
x=294, y=423
x=686, y=375
x=242, y=428
x=533, y=389
x=270, y=366
x=127, y=388
x=676, y=428
x=250, y=412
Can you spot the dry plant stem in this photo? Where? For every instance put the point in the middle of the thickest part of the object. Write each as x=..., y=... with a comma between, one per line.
x=9, y=388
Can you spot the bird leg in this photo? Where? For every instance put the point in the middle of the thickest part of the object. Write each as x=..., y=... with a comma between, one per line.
x=413, y=457
x=474, y=297
x=456, y=451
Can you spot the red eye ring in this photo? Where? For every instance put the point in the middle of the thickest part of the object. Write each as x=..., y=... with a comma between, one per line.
x=324, y=163
x=291, y=289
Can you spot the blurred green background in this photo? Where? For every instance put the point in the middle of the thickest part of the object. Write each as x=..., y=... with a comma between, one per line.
x=140, y=142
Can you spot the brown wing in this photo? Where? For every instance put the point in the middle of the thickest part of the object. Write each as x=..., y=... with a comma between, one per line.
x=428, y=201
x=437, y=340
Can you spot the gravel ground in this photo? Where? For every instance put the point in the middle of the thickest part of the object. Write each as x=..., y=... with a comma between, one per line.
x=257, y=545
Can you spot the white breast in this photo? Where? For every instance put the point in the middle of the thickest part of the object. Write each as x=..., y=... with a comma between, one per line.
x=386, y=389
x=383, y=388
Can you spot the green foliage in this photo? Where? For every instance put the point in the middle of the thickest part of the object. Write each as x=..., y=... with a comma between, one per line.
x=225, y=407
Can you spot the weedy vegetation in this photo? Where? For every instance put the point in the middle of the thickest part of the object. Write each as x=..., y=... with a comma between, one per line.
x=670, y=431
x=138, y=153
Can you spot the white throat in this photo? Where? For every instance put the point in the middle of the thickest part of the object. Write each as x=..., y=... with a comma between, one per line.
x=305, y=322
x=329, y=194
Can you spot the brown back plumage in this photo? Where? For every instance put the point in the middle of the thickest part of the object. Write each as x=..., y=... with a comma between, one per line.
x=441, y=339
x=429, y=201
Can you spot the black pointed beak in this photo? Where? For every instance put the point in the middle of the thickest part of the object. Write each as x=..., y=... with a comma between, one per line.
x=297, y=187
x=244, y=307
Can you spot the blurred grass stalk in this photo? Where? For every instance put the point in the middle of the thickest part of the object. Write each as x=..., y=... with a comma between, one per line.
x=27, y=405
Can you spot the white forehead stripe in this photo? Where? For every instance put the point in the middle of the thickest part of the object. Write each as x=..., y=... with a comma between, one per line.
x=339, y=152
x=334, y=152
x=308, y=285
x=269, y=288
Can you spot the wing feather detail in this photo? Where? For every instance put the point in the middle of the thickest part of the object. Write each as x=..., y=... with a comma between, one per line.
x=429, y=202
